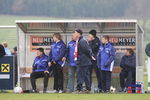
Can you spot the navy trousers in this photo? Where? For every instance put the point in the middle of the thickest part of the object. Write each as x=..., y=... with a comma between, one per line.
x=125, y=79
x=106, y=80
x=98, y=74
x=83, y=75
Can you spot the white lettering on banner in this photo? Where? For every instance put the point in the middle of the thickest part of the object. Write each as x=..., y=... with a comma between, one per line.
x=4, y=76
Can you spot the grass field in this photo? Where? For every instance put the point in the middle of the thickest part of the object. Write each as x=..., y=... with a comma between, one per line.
x=11, y=96
x=9, y=35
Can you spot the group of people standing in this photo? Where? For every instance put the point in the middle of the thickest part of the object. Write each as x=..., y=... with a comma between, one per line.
x=82, y=56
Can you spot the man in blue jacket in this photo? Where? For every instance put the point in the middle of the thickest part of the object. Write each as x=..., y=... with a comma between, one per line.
x=128, y=65
x=72, y=64
x=84, y=58
x=106, y=57
x=40, y=69
x=56, y=61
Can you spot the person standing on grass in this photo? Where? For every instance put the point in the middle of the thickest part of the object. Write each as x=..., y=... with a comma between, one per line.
x=128, y=65
x=83, y=57
x=94, y=43
x=106, y=56
x=40, y=69
x=72, y=64
x=56, y=61
x=14, y=53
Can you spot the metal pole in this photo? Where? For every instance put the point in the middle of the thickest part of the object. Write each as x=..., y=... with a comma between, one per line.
x=139, y=59
x=7, y=26
x=18, y=56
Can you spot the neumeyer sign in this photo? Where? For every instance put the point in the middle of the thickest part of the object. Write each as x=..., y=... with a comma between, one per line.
x=40, y=41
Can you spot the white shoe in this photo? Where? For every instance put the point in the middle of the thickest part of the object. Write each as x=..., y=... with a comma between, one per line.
x=60, y=91
x=54, y=91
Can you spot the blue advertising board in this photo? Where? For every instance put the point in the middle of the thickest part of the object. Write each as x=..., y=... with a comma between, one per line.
x=7, y=73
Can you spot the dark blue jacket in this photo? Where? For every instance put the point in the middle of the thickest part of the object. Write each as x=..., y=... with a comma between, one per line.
x=147, y=49
x=84, y=53
x=2, y=51
x=128, y=63
x=40, y=63
x=106, y=56
x=70, y=52
x=94, y=44
x=57, y=52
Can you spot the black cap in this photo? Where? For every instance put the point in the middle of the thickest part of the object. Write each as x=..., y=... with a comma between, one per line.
x=93, y=32
x=79, y=31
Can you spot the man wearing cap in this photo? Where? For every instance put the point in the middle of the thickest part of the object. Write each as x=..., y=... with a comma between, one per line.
x=83, y=56
x=94, y=43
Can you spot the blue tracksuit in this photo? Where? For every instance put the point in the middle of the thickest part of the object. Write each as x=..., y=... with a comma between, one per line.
x=70, y=51
x=106, y=56
x=72, y=65
x=40, y=63
x=57, y=52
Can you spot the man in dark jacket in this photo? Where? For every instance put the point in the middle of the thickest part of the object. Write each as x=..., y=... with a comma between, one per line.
x=84, y=58
x=147, y=50
x=2, y=50
x=94, y=43
x=127, y=75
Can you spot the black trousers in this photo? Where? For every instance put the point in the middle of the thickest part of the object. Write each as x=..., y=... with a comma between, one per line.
x=133, y=79
x=134, y=76
x=125, y=79
x=98, y=74
x=106, y=80
x=35, y=75
x=83, y=75
x=58, y=77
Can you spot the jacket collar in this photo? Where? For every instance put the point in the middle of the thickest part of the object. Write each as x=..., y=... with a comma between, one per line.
x=81, y=37
x=59, y=42
x=96, y=38
x=131, y=55
x=105, y=45
x=41, y=56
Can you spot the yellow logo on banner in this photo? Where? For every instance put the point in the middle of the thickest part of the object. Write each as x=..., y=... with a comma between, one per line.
x=5, y=68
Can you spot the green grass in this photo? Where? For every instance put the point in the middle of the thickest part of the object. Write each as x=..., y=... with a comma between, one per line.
x=11, y=96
